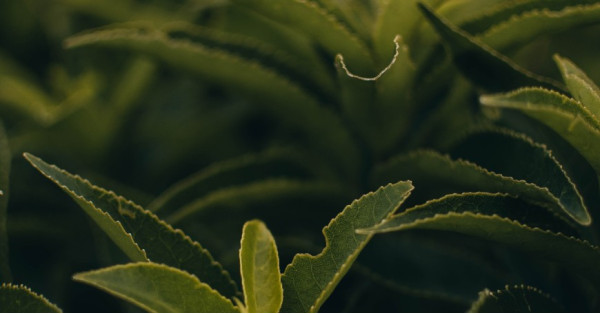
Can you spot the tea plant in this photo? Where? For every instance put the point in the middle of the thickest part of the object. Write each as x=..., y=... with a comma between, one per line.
x=462, y=130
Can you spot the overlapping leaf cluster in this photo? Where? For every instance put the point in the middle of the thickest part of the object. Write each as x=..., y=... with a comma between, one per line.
x=475, y=123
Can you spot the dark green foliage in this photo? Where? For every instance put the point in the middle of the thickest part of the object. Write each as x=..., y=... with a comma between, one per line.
x=203, y=122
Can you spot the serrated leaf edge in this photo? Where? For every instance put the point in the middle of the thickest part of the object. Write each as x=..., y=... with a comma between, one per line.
x=588, y=117
x=521, y=136
x=535, y=12
x=482, y=216
x=488, y=293
x=472, y=165
x=352, y=256
x=78, y=277
x=40, y=297
x=179, y=232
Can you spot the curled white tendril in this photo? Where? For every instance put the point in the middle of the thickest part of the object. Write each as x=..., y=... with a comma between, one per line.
x=340, y=58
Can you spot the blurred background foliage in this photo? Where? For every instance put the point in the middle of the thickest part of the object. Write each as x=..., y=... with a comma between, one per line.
x=138, y=125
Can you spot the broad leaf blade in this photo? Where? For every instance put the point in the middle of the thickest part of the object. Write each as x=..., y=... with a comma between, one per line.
x=5, y=161
x=566, y=117
x=138, y=232
x=495, y=150
x=158, y=288
x=480, y=63
x=259, y=267
x=580, y=85
x=309, y=280
x=487, y=220
x=513, y=299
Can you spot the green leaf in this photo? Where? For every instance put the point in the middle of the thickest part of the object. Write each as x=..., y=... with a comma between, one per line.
x=23, y=94
x=259, y=267
x=523, y=28
x=20, y=299
x=566, y=117
x=394, y=18
x=5, y=161
x=241, y=196
x=291, y=65
x=356, y=15
x=513, y=299
x=484, y=216
x=309, y=280
x=272, y=163
x=480, y=63
x=580, y=85
x=383, y=121
x=158, y=288
x=495, y=150
x=116, y=10
x=310, y=18
x=318, y=126
x=439, y=173
x=504, y=11
x=138, y=232
x=293, y=42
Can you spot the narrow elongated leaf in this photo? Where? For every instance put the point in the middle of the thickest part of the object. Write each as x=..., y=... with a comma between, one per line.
x=244, y=21
x=28, y=98
x=5, y=161
x=355, y=15
x=536, y=164
x=580, y=86
x=318, y=126
x=522, y=29
x=311, y=19
x=441, y=174
x=299, y=70
x=259, y=266
x=158, y=288
x=394, y=18
x=566, y=117
x=513, y=299
x=487, y=220
x=505, y=10
x=254, y=192
x=383, y=121
x=309, y=280
x=480, y=63
x=272, y=163
x=118, y=11
x=138, y=232
x=394, y=94
x=20, y=299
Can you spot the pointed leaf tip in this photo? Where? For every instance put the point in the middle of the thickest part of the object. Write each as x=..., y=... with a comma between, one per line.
x=158, y=288
x=306, y=292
